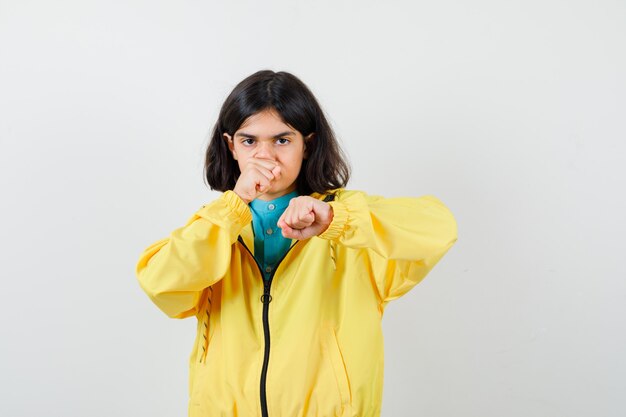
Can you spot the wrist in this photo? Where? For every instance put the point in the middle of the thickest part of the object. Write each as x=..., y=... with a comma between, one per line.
x=245, y=200
x=329, y=220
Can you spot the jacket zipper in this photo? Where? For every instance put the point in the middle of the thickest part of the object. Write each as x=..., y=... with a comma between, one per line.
x=266, y=298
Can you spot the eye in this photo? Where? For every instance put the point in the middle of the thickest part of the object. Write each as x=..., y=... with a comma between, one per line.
x=244, y=141
x=283, y=139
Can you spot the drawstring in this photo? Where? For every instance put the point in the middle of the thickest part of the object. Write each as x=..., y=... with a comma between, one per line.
x=205, y=334
x=332, y=254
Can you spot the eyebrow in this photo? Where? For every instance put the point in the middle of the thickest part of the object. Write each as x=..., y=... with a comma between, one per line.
x=247, y=135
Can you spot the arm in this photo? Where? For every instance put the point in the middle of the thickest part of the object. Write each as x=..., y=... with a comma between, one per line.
x=404, y=237
x=175, y=270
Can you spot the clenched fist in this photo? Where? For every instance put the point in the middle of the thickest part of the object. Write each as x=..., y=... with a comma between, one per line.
x=256, y=178
x=305, y=217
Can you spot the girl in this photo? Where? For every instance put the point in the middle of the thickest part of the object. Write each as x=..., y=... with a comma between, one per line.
x=287, y=272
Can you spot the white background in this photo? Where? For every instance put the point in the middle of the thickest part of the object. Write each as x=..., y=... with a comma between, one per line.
x=511, y=112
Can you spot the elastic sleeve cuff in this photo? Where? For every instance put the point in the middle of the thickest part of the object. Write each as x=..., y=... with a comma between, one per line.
x=337, y=227
x=231, y=206
x=240, y=209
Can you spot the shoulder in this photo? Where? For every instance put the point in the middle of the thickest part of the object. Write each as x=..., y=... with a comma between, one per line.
x=352, y=196
x=344, y=195
x=355, y=195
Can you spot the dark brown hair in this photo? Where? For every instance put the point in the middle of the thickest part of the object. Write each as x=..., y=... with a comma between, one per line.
x=324, y=169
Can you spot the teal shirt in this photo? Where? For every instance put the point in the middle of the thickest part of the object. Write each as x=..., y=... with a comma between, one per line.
x=269, y=243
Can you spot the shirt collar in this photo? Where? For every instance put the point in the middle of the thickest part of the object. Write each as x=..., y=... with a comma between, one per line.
x=277, y=204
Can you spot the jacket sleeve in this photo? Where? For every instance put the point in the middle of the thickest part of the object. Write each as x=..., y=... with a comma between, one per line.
x=404, y=237
x=175, y=270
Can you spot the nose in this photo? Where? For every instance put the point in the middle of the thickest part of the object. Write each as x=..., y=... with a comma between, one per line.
x=265, y=150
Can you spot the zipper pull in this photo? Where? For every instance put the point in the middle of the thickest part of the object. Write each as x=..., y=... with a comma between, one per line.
x=266, y=298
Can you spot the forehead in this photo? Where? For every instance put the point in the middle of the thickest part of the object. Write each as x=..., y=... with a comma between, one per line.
x=265, y=123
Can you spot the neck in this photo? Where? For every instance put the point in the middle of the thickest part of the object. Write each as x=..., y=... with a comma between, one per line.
x=273, y=196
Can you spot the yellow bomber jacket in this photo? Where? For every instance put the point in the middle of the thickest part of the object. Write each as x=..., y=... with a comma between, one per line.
x=309, y=342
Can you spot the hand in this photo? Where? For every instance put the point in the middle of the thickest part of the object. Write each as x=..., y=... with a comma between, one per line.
x=256, y=178
x=305, y=217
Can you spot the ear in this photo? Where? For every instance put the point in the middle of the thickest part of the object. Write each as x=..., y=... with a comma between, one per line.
x=231, y=145
x=307, y=141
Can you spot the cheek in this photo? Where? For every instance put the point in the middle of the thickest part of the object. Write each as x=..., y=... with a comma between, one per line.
x=241, y=162
x=293, y=166
x=295, y=160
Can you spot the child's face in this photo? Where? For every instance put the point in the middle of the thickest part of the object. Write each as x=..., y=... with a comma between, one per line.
x=261, y=141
